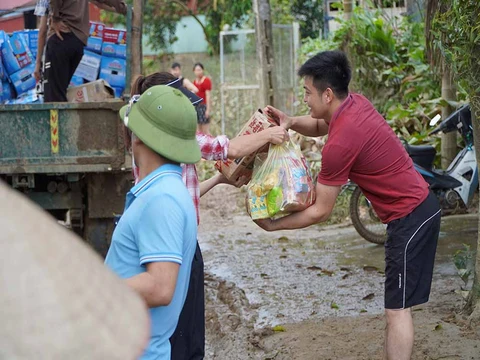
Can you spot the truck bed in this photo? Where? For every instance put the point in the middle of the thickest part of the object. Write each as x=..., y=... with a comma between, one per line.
x=62, y=138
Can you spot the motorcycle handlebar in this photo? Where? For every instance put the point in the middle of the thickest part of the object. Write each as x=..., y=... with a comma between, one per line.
x=435, y=131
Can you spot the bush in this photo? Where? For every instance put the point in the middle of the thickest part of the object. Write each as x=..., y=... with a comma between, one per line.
x=389, y=68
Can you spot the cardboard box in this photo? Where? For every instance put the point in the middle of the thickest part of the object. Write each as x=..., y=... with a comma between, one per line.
x=3, y=73
x=23, y=79
x=96, y=29
x=114, y=50
x=7, y=91
x=115, y=36
x=76, y=81
x=29, y=97
x=94, y=44
x=89, y=66
x=15, y=53
x=31, y=39
x=233, y=169
x=113, y=70
x=96, y=91
x=118, y=91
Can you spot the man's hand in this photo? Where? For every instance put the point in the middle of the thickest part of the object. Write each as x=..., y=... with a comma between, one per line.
x=117, y=6
x=279, y=117
x=265, y=224
x=59, y=27
x=207, y=114
x=242, y=180
x=122, y=8
x=37, y=73
x=277, y=135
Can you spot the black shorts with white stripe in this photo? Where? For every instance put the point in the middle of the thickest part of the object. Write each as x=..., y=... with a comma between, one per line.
x=410, y=255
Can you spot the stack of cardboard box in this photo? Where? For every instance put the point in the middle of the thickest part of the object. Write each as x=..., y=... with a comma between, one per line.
x=17, y=65
x=104, y=58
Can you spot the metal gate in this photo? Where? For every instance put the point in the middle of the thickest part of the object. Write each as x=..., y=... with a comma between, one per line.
x=239, y=74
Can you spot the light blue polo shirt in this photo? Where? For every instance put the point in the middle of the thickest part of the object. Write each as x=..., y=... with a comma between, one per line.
x=159, y=224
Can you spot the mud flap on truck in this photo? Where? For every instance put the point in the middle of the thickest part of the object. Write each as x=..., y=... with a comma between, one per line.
x=105, y=198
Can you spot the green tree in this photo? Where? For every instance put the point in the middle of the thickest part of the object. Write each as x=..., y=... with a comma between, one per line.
x=456, y=34
x=161, y=18
x=309, y=14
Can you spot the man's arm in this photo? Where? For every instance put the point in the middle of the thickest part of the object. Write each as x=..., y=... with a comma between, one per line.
x=221, y=148
x=305, y=125
x=207, y=185
x=190, y=86
x=111, y=5
x=209, y=103
x=159, y=236
x=157, y=285
x=241, y=146
x=320, y=211
x=42, y=37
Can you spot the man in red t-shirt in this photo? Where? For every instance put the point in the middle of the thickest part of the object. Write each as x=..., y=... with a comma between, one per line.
x=362, y=147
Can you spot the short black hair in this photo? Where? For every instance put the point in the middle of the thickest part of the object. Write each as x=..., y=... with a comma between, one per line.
x=198, y=64
x=329, y=69
x=176, y=65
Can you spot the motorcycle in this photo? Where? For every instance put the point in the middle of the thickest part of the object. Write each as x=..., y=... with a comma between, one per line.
x=454, y=187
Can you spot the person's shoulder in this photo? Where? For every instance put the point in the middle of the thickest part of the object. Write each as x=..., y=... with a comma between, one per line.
x=166, y=195
x=360, y=101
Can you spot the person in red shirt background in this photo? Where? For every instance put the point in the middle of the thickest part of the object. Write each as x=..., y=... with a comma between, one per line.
x=362, y=147
x=204, y=86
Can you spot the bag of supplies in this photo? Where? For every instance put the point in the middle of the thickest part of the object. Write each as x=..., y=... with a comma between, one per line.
x=281, y=184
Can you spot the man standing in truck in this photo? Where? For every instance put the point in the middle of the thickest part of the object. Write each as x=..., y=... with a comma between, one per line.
x=67, y=36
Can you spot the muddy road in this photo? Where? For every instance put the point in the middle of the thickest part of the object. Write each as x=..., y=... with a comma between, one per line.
x=321, y=287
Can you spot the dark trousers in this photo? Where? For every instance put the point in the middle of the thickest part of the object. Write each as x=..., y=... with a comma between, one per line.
x=188, y=340
x=61, y=60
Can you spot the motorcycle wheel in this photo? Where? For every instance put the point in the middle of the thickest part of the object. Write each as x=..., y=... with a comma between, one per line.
x=365, y=220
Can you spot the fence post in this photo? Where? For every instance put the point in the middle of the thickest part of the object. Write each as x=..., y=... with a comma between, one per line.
x=264, y=44
x=222, y=81
x=137, y=23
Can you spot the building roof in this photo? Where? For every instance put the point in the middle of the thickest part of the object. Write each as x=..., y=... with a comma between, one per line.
x=13, y=4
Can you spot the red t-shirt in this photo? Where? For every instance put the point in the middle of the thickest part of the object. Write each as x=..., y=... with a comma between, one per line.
x=362, y=147
x=203, y=87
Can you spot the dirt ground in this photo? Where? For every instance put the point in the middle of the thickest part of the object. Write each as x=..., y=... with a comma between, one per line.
x=320, y=289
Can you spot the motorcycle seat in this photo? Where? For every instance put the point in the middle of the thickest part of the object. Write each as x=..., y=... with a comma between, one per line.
x=420, y=150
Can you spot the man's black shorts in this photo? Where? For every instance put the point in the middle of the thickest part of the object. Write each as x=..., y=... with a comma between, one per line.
x=410, y=255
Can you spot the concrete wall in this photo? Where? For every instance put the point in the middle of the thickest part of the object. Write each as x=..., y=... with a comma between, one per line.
x=191, y=38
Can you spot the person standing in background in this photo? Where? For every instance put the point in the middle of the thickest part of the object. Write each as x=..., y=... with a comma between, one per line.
x=67, y=36
x=176, y=70
x=204, y=85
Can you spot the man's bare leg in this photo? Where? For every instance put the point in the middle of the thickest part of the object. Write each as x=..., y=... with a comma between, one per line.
x=399, y=334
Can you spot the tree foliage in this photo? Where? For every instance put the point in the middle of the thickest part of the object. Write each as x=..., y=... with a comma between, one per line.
x=456, y=34
x=390, y=69
x=161, y=18
x=309, y=14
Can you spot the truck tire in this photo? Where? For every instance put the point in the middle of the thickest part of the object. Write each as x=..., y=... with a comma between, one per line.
x=365, y=220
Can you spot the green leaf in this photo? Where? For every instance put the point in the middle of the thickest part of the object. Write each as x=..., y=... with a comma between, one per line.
x=334, y=306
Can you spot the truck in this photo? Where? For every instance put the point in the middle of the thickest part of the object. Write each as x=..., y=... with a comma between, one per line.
x=70, y=159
